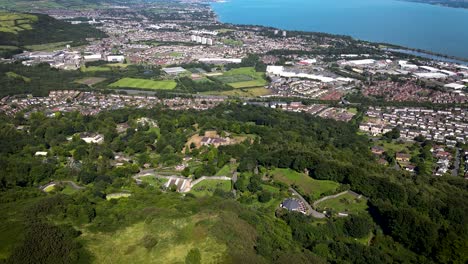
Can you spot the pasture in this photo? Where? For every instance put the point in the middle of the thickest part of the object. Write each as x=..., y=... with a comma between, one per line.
x=48, y=46
x=305, y=184
x=95, y=69
x=144, y=84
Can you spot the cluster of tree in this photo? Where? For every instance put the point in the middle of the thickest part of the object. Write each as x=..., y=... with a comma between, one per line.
x=407, y=209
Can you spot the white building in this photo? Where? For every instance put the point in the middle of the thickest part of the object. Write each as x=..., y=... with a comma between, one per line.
x=116, y=58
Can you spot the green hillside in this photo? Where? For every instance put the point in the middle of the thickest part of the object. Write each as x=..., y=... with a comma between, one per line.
x=19, y=30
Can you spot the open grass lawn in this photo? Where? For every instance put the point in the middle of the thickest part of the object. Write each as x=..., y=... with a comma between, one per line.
x=243, y=78
x=68, y=190
x=224, y=171
x=174, y=224
x=117, y=196
x=344, y=203
x=95, y=69
x=397, y=147
x=144, y=84
x=49, y=46
x=207, y=187
x=90, y=81
x=154, y=181
x=173, y=239
x=307, y=184
x=119, y=65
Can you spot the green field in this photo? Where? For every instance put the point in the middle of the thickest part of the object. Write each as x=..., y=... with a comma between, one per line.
x=49, y=46
x=95, y=69
x=344, y=203
x=242, y=78
x=154, y=181
x=207, y=187
x=14, y=22
x=306, y=184
x=144, y=84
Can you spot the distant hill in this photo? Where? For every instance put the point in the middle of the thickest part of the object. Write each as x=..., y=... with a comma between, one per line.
x=450, y=3
x=19, y=30
x=26, y=5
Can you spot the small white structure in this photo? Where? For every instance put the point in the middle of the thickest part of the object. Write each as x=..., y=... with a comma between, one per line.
x=41, y=153
x=455, y=86
x=116, y=58
x=93, y=138
x=92, y=57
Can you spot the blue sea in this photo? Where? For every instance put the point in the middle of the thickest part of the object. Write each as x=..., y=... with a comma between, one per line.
x=421, y=26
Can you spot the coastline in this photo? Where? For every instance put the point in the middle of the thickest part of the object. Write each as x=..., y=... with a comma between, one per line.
x=418, y=52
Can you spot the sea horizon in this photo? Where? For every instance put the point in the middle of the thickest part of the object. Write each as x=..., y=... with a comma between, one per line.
x=416, y=26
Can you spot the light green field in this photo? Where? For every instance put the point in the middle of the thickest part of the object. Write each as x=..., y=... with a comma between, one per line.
x=49, y=188
x=117, y=196
x=14, y=23
x=344, y=203
x=49, y=46
x=144, y=84
x=68, y=190
x=243, y=78
x=253, y=83
x=308, y=185
x=119, y=65
x=14, y=75
x=154, y=181
x=95, y=69
x=207, y=187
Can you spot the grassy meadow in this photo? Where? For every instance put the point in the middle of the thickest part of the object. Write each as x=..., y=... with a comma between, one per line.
x=144, y=84
x=305, y=183
x=344, y=203
x=242, y=78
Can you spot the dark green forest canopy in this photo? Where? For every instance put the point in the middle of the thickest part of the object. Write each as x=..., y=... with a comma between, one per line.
x=414, y=219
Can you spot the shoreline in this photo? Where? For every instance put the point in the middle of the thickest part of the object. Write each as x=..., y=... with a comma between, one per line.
x=426, y=54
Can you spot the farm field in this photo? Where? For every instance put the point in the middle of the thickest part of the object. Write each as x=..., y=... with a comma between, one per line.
x=242, y=78
x=117, y=196
x=144, y=84
x=207, y=187
x=49, y=46
x=14, y=23
x=90, y=81
x=308, y=185
x=344, y=203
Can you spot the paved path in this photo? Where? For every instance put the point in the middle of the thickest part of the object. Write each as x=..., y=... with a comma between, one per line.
x=310, y=210
x=71, y=183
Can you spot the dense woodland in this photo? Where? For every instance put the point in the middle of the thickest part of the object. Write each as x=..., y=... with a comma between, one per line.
x=414, y=218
